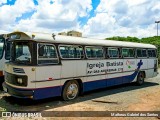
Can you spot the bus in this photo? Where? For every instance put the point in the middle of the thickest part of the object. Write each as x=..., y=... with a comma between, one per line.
x=4, y=55
x=49, y=65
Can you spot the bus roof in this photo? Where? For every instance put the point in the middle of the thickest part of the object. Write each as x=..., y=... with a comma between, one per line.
x=45, y=37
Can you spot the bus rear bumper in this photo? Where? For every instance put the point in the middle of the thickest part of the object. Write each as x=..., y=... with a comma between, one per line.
x=16, y=92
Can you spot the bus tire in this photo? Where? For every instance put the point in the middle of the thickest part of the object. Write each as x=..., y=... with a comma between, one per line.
x=71, y=90
x=140, y=78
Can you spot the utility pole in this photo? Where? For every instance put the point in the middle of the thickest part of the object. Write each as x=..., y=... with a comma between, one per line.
x=157, y=26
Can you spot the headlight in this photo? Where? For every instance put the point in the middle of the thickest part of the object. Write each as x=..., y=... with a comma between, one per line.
x=19, y=80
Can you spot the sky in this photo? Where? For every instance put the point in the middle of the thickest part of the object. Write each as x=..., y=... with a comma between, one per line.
x=94, y=18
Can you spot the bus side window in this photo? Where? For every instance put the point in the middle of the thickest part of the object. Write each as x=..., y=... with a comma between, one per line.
x=139, y=53
x=151, y=53
x=144, y=53
x=154, y=53
x=99, y=53
x=94, y=52
x=47, y=54
x=128, y=52
x=113, y=52
x=41, y=51
x=70, y=51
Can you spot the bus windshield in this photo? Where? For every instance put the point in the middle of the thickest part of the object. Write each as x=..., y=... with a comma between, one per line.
x=1, y=46
x=22, y=53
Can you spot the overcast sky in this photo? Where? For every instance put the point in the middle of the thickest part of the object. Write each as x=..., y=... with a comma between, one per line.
x=94, y=18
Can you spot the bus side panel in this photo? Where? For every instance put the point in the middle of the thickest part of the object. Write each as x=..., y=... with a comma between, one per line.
x=96, y=74
x=47, y=81
x=81, y=66
x=152, y=66
x=94, y=82
x=68, y=68
x=73, y=69
x=114, y=72
x=130, y=65
x=47, y=92
x=48, y=73
x=114, y=79
x=150, y=69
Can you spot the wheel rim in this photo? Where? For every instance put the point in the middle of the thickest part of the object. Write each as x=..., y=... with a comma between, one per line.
x=72, y=91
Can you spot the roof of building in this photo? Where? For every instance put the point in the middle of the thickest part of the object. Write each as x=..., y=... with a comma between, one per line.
x=45, y=37
x=73, y=31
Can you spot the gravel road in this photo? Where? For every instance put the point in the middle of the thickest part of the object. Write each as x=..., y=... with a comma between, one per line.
x=128, y=97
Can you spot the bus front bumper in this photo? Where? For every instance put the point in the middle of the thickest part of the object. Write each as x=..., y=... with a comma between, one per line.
x=17, y=92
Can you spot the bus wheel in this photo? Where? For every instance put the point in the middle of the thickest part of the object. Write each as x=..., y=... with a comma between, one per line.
x=71, y=90
x=140, y=78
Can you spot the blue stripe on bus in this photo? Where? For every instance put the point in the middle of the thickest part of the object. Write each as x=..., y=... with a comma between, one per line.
x=47, y=92
x=109, y=82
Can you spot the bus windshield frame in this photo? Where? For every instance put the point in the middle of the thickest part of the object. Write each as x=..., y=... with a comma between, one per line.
x=2, y=43
x=22, y=52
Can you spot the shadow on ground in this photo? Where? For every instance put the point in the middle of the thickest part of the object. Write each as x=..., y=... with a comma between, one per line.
x=10, y=103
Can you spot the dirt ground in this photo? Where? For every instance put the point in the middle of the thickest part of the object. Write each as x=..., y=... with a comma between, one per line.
x=128, y=97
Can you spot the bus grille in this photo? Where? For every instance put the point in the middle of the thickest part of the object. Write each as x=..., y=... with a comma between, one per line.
x=18, y=70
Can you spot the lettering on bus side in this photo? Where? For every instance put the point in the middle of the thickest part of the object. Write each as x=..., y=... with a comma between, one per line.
x=104, y=67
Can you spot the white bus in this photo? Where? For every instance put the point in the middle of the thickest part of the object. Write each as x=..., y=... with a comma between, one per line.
x=4, y=55
x=48, y=65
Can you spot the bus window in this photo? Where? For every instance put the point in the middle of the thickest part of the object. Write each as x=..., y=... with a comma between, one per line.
x=23, y=53
x=82, y=52
x=94, y=52
x=144, y=52
x=113, y=52
x=71, y=52
x=127, y=52
x=154, y=53
x=1, y=47
x=151, y=53
x=47, y=54
x=141, y=53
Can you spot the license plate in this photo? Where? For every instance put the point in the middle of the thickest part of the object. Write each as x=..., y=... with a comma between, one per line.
x=5, y=89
